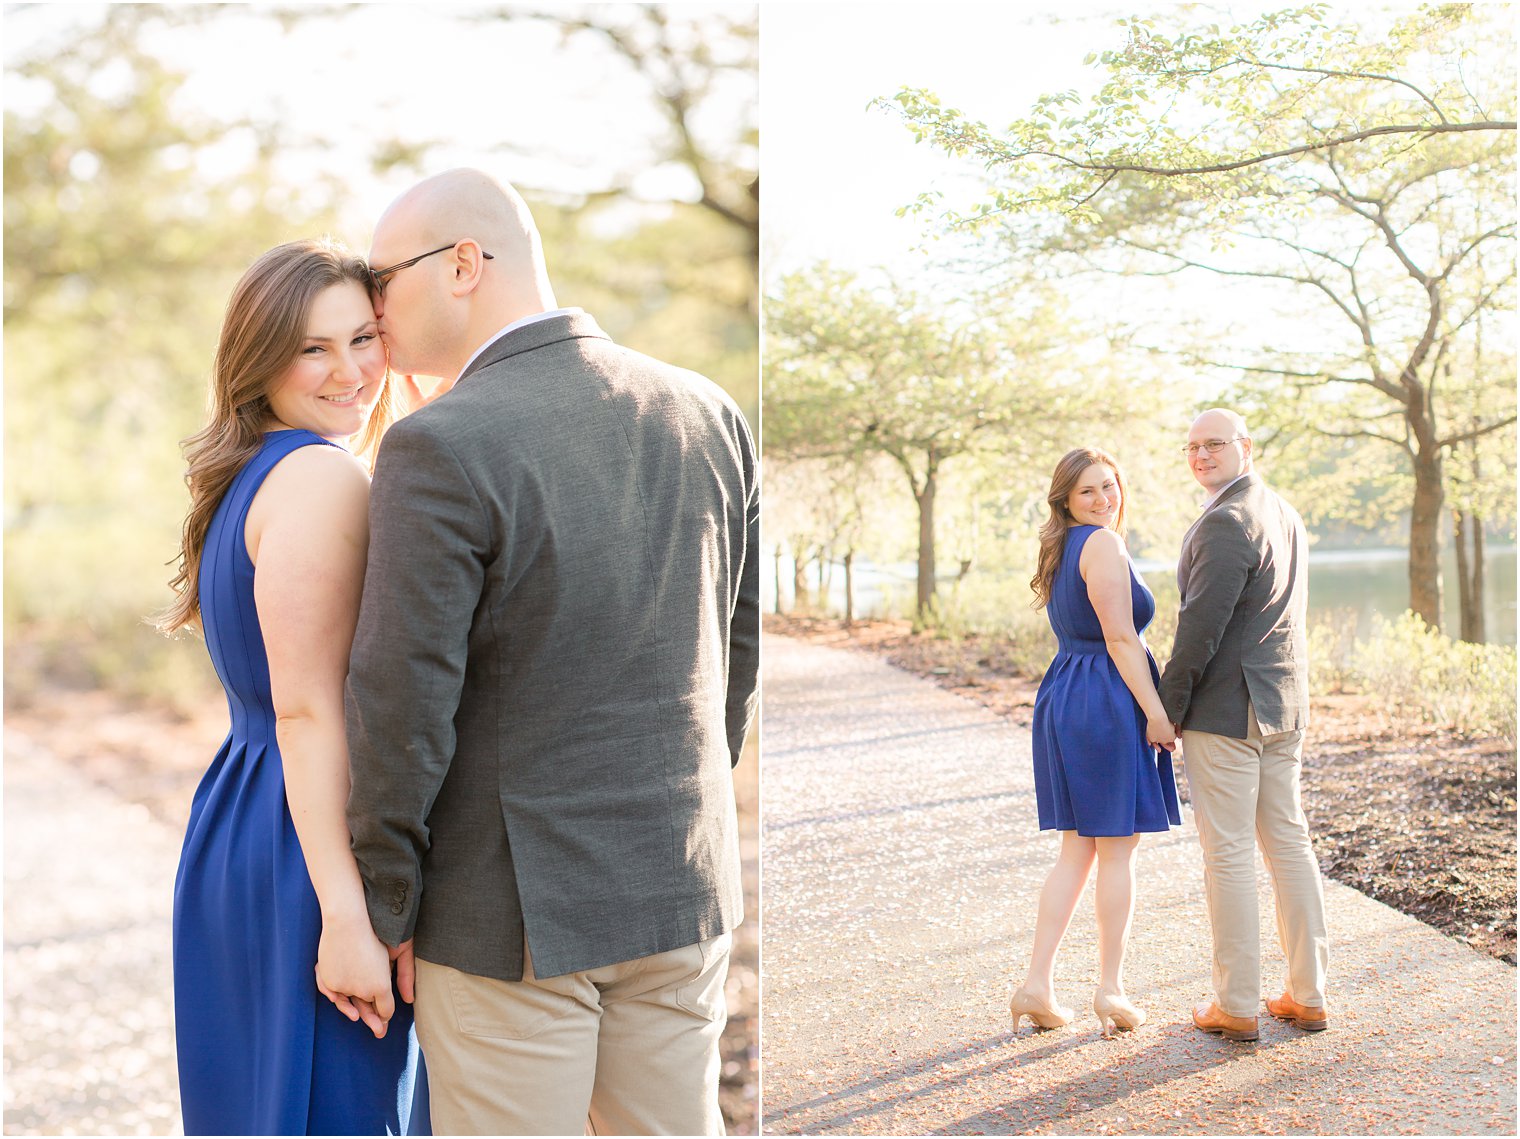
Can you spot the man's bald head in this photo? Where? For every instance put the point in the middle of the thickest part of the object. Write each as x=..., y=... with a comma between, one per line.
x=436, y=313
x=1216, y=469
x=1221, y=423
x=464, y=203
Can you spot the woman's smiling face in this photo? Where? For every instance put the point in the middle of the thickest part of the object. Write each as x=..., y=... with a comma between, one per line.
x=331, y=386
x=1096, y=497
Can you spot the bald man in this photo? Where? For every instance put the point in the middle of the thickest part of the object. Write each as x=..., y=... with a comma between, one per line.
x=553, y=672
x=1237, y=685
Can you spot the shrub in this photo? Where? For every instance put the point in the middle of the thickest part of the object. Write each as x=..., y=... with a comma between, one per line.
x=1332, y=653
x=1000, y=611
x=1427, y=676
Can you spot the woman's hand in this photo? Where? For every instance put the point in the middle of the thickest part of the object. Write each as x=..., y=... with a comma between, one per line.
x=1160, y=732
x=354, y=972
x=412, y=395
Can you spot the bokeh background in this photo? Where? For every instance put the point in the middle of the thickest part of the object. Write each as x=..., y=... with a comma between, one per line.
x=151, y=153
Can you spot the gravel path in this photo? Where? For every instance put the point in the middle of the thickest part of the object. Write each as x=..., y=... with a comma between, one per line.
x=901, y=863
x=89, y=1024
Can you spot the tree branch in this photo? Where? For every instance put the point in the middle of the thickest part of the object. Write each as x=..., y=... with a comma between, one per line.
x=1336, y=74
x=1460, y=255
x=1402, y=444
x=1476, y=432
x=1392, y=390
x=1424, y=130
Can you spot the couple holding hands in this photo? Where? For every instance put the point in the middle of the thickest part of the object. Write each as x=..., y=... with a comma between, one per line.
x=1234, y=695
x=484, y=708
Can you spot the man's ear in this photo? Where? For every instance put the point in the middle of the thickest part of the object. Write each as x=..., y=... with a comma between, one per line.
x=469, y=267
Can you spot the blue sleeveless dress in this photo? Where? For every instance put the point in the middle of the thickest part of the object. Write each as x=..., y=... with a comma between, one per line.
x=261, y=1051
x=1093, y=771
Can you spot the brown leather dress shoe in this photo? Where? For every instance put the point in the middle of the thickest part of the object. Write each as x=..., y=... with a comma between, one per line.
x=1307, y=1017
x=1211, y=1018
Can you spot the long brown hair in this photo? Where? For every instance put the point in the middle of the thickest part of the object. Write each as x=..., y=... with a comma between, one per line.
x=262, y=333
x=1053, y=533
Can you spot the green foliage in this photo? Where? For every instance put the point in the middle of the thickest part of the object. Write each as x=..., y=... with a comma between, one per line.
x=1429, y=677
x=854, y=372
x=1019, y=637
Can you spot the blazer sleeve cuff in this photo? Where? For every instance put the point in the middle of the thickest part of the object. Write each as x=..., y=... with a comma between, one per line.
x=392, y=904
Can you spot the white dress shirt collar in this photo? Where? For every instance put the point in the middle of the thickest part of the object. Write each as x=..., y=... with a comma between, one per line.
x=1213, y=498
x=514, y=326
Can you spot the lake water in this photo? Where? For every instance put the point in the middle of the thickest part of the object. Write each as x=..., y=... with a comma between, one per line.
x=1365, y=582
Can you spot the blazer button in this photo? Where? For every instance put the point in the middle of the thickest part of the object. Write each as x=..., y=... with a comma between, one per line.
x=396, y=907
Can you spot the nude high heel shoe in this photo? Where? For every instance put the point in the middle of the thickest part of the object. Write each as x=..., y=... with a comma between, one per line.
x=1109, y=1007
x=1042, y=1014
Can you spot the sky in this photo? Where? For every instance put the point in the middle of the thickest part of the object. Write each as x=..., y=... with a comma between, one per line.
x=835, y=171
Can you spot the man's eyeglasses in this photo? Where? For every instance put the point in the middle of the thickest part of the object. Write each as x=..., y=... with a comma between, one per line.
x=1212, y=446
x=377, y=276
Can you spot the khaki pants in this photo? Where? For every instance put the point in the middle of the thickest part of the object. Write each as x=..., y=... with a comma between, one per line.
x=629, y=1049
x=1246, y=792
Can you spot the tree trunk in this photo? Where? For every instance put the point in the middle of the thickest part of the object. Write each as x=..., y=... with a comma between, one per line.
x=1480, y=582
x=799, y=580
x=1470, y=566
x=1459, y=525
x=925, y=496
x=778, y=579
x=823, y=579
x=1425, y=537
x=849, y=589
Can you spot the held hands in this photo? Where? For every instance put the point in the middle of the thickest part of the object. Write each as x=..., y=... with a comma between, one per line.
x=1161, y=732
x=354, y=972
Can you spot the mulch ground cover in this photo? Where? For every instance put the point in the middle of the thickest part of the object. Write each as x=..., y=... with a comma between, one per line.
x=1413, y=815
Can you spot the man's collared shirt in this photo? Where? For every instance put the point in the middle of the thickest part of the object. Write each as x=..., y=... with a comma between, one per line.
x=1208, y=502
x=514, y=326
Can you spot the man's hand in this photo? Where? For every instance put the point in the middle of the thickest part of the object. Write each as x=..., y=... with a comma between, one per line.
x=406, y=971
x=354, y=972
x=1161, y=733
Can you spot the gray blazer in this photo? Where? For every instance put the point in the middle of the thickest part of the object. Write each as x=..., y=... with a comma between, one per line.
x=1241, y=636
x=556, y=660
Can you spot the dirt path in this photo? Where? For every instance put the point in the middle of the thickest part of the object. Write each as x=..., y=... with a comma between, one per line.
x=901, y=865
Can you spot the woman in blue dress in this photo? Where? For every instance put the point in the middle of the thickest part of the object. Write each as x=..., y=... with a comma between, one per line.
x=1102, y=740
x=270, y=924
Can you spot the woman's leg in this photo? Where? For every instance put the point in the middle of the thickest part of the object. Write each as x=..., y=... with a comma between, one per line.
x=1115, y=899
x=1058, y=901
